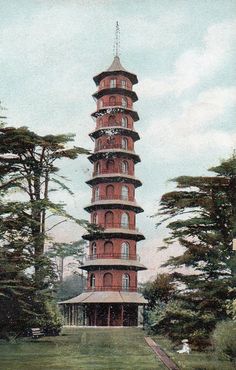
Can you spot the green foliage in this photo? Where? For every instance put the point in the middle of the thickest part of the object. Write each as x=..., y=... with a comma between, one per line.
x=160, y=290
x=70, y=287
x=201, y=217
x=48, y=316
x=63, y=250
x=224, y=339
x=28, y=164
x=179, y=320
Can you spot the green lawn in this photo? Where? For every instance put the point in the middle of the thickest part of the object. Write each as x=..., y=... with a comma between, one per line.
x=104, y=349
x=196, y=360
x=82, y=349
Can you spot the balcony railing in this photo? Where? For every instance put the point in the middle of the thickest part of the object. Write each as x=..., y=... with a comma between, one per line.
x=108, y=125
x=116, y=106
x=112, y=146
x=112, y=197
x=110, y=172
x=117, y=288
x=115, y=85
x=123, y=256
x=120, y=225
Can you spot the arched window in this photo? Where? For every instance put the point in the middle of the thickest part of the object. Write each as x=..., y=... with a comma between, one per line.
x=124, y=143
x=97, y=168
x=123, y=84
x=108, y=249
x=124, y=102
x=107, y=280
x=113, y=82
x=95, y=218
x=96, y=193
x=99, y=144
x=125, y=281
x=110, y=165
x=92, y=281
x=110, y=141
x=94, y=249
x=124, y=192
x=125, y=220
x=109, y=219
x=110, y=191
x=124, y=167
x=112, y=101
x=101, y=103
x=125, y=250
x=111, y=120
x=124, y=121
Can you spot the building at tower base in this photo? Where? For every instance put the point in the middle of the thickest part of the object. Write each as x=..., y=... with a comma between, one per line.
x=111, y=297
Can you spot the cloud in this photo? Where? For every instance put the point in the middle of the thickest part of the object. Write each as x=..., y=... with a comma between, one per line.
x=194, y=64
x=153, y=258
x=197, y=132
x=151, y=34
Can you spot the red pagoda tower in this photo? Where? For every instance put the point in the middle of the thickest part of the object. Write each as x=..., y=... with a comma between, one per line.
x=111, y=297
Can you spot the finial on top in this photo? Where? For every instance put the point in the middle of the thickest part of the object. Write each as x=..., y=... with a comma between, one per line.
x=116, y=48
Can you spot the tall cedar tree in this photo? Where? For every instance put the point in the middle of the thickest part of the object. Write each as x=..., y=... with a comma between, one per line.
x=60, y=251
x=28, y=165
x=201, y=216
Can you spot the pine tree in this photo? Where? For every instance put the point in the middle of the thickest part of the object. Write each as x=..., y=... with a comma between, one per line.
x=201, y=217
x=62, y=251
x=28, y=165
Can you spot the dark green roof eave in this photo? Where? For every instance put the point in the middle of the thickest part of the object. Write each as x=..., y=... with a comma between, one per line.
x=131, y=76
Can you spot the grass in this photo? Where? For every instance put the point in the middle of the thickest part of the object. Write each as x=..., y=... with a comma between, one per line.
x=196, y=360
x=82, y=349
x=104, y=349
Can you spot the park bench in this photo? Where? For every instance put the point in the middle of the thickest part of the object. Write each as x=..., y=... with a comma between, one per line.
x=36, y=333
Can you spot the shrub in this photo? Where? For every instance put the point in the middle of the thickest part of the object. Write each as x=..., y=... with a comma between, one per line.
x=224, y=340
x=49, y=319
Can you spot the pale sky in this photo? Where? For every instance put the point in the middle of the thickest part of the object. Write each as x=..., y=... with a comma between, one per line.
x=183, y=53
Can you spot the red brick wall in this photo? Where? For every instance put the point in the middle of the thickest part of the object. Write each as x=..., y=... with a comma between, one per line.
x=103, y=163
x=115, y=141
x=105, y=101
x=116, y=277
x=116, y=246
x=104, y=121
x=116, y=192
x=117, y=216
x=105, y=82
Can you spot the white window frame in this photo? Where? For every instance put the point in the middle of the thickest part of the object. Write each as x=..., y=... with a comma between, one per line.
x=113, y=83
x=124, y=102
x=125, y=282
x=125, y=220
x=125, y=250
x=123, y=84
x=124, y=192
x=124, y=121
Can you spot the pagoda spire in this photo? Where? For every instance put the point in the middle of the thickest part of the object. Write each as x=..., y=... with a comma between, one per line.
x=116, y=47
